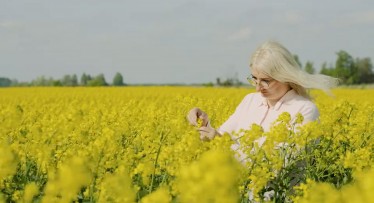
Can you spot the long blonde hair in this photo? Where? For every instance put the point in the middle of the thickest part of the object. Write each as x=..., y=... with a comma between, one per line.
x=274, y=60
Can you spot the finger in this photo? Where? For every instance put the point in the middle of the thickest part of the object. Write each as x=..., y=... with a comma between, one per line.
x=204, y=137
x=203, y=115
x=204, y=129
x=192, y=119
x=204, y=118
x=208, y=124
x=204, y=122
x=192, y=116
x=196, y=110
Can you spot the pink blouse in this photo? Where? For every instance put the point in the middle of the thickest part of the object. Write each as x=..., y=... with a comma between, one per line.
x=254, y=109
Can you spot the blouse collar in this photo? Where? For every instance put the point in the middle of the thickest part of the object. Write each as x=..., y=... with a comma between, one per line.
x=291, y=94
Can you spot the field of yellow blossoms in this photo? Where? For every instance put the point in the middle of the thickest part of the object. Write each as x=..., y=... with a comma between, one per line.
x=134, y=144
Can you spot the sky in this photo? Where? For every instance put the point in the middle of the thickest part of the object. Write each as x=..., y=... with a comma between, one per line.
x=173, y=41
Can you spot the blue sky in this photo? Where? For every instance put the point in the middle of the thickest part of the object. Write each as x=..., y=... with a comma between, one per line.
x=179, y=41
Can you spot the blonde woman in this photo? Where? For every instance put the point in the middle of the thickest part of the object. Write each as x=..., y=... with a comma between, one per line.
x=281, y=86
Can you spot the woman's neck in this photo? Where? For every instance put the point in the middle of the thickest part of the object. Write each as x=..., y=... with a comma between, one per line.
x=273, y=102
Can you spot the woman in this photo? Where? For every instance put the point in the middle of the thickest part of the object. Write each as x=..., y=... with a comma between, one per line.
x=281, y=86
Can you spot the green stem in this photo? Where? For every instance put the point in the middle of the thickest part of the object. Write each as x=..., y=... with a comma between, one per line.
x=155, y=164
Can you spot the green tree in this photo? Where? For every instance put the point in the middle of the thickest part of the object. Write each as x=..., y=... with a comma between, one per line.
x=98, y=81
x=42, y=81
x=74, y=80
x=296, y=57
x=218, y=81
x=309, y=67
x=84, y=79
x=327, y=70
x=230, y=81
x=57, y=83
x=345, y=68
x=118, y=80
x=5, y=82
x=67, y=80
x=365, y=70
x=14, y=83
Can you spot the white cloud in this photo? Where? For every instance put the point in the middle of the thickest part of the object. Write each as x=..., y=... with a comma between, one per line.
x=9, y=24
x=364, y=17
x=293, y=18
x=242, y=34
x=357, y=18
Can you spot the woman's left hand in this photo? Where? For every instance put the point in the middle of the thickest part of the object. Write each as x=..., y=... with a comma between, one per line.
x=207, y=133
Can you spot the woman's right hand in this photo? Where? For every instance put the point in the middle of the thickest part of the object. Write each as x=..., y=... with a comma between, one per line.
x=195, y=114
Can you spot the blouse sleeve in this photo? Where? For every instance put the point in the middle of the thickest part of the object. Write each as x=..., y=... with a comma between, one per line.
x=231, y=124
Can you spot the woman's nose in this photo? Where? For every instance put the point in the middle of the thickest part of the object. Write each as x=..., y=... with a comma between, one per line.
x=258, y=87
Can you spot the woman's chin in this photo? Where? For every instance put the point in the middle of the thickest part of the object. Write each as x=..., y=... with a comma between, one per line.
x=264, y=93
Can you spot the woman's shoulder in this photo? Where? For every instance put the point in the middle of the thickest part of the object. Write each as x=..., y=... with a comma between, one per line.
x=298, y=101
x=309, y=110
x=305, y=103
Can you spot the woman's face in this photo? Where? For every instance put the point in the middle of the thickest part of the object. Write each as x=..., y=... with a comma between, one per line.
x=275, y=89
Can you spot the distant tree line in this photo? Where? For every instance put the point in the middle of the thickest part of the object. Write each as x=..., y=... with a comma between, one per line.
x=229, y=82
x=67, y=81
x=351, y=71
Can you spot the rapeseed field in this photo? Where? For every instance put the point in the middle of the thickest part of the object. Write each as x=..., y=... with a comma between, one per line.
x=134, y=144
